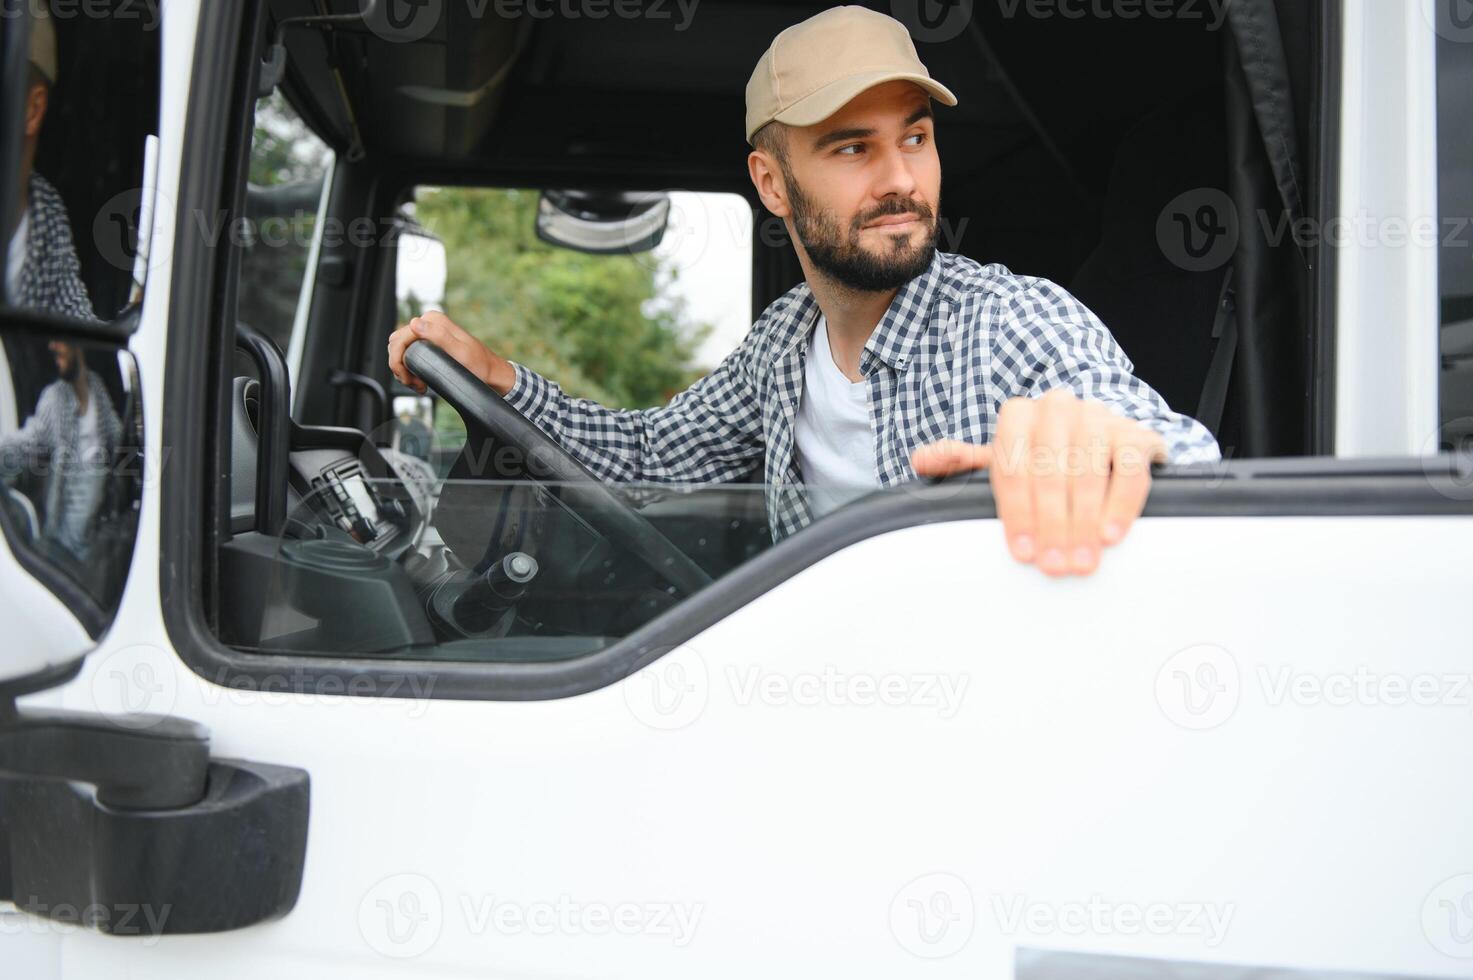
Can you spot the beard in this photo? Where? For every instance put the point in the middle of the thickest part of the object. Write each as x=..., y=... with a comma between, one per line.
x=69, y=369
x=842, y=258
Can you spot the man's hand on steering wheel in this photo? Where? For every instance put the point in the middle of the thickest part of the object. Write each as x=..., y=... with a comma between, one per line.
x=434, y=326
x=474, y=382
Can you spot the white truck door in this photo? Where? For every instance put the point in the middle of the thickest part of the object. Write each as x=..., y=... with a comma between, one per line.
x=114, y=814
x=883, y=748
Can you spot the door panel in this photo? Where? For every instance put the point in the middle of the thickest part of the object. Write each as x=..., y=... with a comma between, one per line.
x=1245, y=740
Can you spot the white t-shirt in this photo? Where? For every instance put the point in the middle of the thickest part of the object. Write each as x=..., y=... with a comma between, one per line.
x=88, y=444
x=15, y=257
x=83, y=493
x=835, y=446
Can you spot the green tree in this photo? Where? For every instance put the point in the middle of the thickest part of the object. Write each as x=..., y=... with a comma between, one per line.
x=600, y=325
x=274, y=266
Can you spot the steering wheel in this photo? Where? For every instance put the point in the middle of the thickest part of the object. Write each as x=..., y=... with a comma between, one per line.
x=605, y=511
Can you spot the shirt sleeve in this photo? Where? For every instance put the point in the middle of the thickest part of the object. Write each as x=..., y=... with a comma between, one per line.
x=1051, y=340
x=61, y=276
x=709, y=433
x=38, y=436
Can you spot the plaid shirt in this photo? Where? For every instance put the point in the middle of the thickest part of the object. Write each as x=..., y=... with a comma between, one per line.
x=50, y=443
x=957, y=342
x=51, y=279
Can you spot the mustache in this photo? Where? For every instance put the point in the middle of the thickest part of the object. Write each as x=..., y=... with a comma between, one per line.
x=891, y=208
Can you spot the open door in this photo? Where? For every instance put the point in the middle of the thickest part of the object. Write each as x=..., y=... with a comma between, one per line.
x=120, y=822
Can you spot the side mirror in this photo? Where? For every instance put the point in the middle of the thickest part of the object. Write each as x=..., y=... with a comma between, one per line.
x=71, y=478
x=603, y=222
x=413, y=431
x=419, y=271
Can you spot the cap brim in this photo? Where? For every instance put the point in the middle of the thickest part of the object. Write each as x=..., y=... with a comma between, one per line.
x=813, y=109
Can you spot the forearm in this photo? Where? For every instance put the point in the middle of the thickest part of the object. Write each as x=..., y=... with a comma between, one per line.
x=698, y=438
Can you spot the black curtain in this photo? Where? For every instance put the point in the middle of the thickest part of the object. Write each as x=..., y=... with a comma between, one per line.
x=1271, y=410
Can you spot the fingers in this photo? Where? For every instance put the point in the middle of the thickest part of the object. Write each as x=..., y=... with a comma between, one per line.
x=438, y=329
x=1089, y=468
x=1135, y=448
x=949, y=456
x=1069, y=478
x=1052, y=434
x=470, y=353
x=433, y=326
x=399, y=342
x=1011, y=491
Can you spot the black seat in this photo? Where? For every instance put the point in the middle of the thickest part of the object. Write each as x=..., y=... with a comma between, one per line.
x=1161, y=314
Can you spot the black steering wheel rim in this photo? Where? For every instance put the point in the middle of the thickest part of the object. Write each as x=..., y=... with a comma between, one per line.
x=481, y=406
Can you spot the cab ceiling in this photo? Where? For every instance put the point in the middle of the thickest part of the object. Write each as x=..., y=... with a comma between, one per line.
x=658, y=100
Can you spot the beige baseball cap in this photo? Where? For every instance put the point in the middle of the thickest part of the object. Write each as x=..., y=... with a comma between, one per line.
x=814, y=68
x=43, y=42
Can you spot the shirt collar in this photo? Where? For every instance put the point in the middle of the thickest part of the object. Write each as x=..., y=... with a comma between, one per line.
x=898, y=331
x=904, y=323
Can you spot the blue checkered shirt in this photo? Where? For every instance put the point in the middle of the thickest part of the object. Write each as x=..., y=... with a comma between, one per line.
x=51, y=279
x=957, y=342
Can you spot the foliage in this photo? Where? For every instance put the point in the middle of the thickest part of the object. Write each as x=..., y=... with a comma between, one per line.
x=605, y=327
x=601, y=326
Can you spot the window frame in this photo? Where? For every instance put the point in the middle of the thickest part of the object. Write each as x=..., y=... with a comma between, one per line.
x=308, y=293
x=306, y=289
x=198, y=360
x=1444, y=151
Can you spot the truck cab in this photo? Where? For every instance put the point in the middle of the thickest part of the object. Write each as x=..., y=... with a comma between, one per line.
x=316, y=674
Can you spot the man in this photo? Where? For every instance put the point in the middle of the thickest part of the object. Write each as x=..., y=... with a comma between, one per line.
x=41, y=268
x=70, y=438
x=892, y=359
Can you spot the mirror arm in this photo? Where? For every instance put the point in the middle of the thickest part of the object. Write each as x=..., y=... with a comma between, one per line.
x=151, y=762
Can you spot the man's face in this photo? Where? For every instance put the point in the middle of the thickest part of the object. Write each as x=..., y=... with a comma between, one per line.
x=864, y=187
x=68, y=359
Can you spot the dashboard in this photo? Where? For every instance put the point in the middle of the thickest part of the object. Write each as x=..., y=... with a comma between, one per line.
x=376, y=556
x=359, y=565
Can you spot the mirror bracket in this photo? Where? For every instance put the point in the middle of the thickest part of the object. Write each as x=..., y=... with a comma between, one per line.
x=127, y=826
